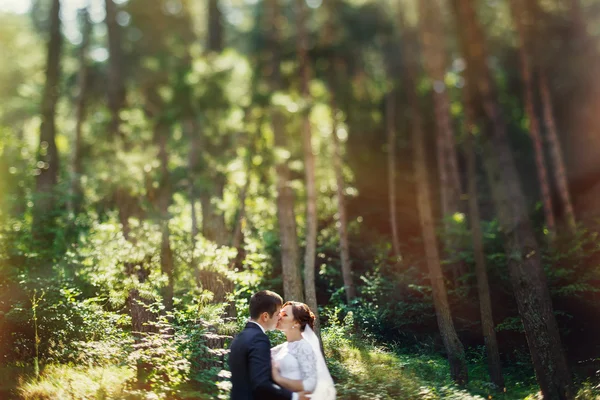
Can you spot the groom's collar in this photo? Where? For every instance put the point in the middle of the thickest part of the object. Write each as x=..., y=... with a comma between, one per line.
x=259, y=325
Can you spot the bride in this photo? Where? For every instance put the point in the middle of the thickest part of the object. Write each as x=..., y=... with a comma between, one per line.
x=298, y=364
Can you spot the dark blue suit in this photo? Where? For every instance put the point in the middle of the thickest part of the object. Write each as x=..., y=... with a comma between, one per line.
x=250, y=366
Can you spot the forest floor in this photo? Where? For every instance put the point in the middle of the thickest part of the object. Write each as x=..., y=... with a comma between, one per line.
x=362, y=372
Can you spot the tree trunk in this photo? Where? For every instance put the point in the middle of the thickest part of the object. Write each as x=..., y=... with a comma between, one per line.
x=215, y=27
x=483, y=287
x=435, y=62
x=310, y=255
x=82, y=80
x=292, y=278
x=391, y=133
x=535, y=35
x=190, y=128
x=578, y=20
x=164, y=200
x=560, y=172
x=534, y=126
x=213, y=220
x=47, y=156
x=524, y=259
x=454, y=348
x=127, y=205
x=335, y=66
x=116, y=84
x=340, y=193
x=237, y=238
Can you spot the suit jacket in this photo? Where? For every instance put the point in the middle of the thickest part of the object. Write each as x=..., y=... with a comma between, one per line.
x=250, y=366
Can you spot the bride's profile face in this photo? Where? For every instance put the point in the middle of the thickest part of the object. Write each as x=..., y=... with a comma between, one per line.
x=286, y=319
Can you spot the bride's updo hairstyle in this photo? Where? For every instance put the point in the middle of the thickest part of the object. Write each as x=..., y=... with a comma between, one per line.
x=302, y=314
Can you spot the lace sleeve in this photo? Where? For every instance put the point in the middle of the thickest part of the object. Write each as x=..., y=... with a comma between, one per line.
x=308, y=365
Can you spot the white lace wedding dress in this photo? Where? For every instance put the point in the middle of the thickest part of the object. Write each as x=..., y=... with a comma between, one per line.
x=302, y=360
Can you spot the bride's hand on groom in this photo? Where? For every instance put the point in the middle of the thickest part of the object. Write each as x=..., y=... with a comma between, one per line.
x=304, y=396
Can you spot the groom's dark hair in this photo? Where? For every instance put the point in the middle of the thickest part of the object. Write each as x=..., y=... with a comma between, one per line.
x=264, y=301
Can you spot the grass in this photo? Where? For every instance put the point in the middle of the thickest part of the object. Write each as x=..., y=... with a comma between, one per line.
x=74, y=383
x=363, y=371
x=366, y=372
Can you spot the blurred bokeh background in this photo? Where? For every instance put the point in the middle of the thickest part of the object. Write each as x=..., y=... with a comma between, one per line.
x=424, y=174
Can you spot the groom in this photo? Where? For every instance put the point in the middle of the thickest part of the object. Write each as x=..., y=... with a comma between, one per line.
x=250, y=356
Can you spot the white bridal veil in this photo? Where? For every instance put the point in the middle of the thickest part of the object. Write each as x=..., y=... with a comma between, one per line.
x=325, y=389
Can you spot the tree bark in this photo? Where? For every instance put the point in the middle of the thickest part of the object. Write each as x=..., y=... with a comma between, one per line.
x=310, y=255
x=560, y=171
x=524, y=260
x=116, y=84
x=483, y=287
x=213, y=220
x=343, y=214
x=391, y=133
x=292, y=278
x=237, y=237
x=80, y=113
x=335, y=67
x=435, y=62
x=534, y=126
x=191, y=130
x=127, y=205
x=536, y=33
x=454, y=348
x=215, y=27
x=164, y=200
x=47, y=155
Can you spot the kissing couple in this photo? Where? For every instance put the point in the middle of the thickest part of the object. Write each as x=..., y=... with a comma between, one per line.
x=294, y=370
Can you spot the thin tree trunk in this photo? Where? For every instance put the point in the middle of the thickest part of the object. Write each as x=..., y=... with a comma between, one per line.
x=83, y=78
x=340, y=193
x=238, y=235
x=215, y=27
x=483, y=287
x=560, y=174
x=391, y=133
x=335, y=66
x=47, y=155
x=116, y=85
x=534, y=126
x=164, y=200
x=292, y=278
x=190, y=128
x=127, y=205
x=435, y=62
x=310, y=255
x=578, y=20
x=454, y=348
x=524, y=261
x=535, y=35
x=213, y=220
